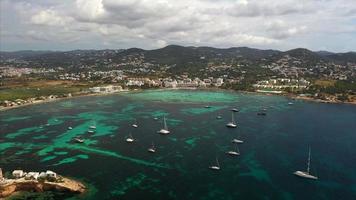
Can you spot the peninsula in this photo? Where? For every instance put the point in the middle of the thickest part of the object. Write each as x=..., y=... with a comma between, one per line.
x=37, y=182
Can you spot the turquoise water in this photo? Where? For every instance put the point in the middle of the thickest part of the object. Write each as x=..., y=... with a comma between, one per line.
x=37, y=138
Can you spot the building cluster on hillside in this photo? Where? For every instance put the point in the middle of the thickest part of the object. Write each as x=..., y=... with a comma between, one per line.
x=18, y=72
x=182, y=81
x=106, y=89
x=19, y=102
x=282, y=83
x=20, y=174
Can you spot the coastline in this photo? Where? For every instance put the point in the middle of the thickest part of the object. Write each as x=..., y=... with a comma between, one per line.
x=288, y=95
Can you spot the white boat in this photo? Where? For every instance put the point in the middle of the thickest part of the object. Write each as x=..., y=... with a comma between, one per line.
x=70, y=128
x=135, y=125
x=164, y=130
x=219, y=117
x=216, y=166
x=235, y=110
x=130, y=139
x=237, y=141
x=91, y=131
x=231, y=124
x=152, y=149
x=234, y=153
x=290, y=103
x=207, y=106
x=307, y=173
x=78, y=140
x=92, y=126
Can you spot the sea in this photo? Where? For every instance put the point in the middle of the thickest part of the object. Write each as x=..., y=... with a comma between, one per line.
x=37, y=138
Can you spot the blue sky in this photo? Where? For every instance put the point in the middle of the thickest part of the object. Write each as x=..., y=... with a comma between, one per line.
x=116, y=24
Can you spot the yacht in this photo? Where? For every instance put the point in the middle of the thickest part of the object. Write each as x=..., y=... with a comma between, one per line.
x=234, y=153
x=130, y=139
x=232, y=124
x=216, y=166
x=152, y=149
x=306, y=174
x=262, y=112
x=164, y=130
x=92, y=126
x=135, y=125
x=78, y=140
x=237, y=141
x=235, y=110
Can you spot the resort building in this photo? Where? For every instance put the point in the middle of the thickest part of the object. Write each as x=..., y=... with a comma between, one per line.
x=18, y=173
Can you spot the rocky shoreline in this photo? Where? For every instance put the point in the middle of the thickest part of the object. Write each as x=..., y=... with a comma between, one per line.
x=289, y=95
x=10, y=186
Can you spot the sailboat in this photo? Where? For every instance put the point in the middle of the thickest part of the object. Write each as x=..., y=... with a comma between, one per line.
x=164, y=130
x=307, y=173
x=93, y=126
x=237, y=141
x=216, y=166
x=130, y=139
x=235, y=110
x=78, y=140
x=232, y=124
x=152, y=149
x=135, y=125
x=234, y=153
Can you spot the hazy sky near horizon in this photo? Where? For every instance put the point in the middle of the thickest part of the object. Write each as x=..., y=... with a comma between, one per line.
x=116, y=24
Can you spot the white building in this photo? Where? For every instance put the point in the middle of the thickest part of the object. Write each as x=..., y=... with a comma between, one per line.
x=18, y=173
x=32, y=175
x=51, y=174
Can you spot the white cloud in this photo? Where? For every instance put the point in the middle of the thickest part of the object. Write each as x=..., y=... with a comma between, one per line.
x=152, y=24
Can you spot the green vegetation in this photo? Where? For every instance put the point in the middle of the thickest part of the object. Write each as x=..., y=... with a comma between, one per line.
x=41, y=89
x=334, y=87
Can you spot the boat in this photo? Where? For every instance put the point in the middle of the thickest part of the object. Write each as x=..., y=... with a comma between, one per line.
x=237, y=141
x=156, y=118
x=306, y=174
x=207, y=106
x=70, y=128
x=235, y=110
x=130, y=139
x=219, y=117
x=164, y=130
x=262, y=112
x=78, y=140
x=234, y=153
x=152, y=149
x=290, y=103
x=92, y=126
x=135, y=125
x=232, y=124
x=91, y=131
x=216, y=166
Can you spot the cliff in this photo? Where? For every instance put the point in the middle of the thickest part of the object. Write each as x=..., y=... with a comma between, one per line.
x=10, y=186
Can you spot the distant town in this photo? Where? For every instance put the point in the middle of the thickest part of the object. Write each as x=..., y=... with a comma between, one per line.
x=30, y=77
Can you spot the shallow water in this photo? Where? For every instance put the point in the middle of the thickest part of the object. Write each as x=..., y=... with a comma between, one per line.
x=37, y=138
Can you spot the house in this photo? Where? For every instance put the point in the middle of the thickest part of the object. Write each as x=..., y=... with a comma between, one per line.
x=32, y=175
x=18, y=173
x=51, y=174
x=1, y=176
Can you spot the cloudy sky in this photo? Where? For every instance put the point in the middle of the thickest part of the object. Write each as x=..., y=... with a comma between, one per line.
x=115, y=24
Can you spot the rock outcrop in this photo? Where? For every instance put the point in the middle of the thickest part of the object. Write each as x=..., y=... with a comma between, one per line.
x=8, y=187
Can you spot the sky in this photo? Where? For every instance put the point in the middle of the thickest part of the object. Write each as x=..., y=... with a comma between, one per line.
x=328, y=25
